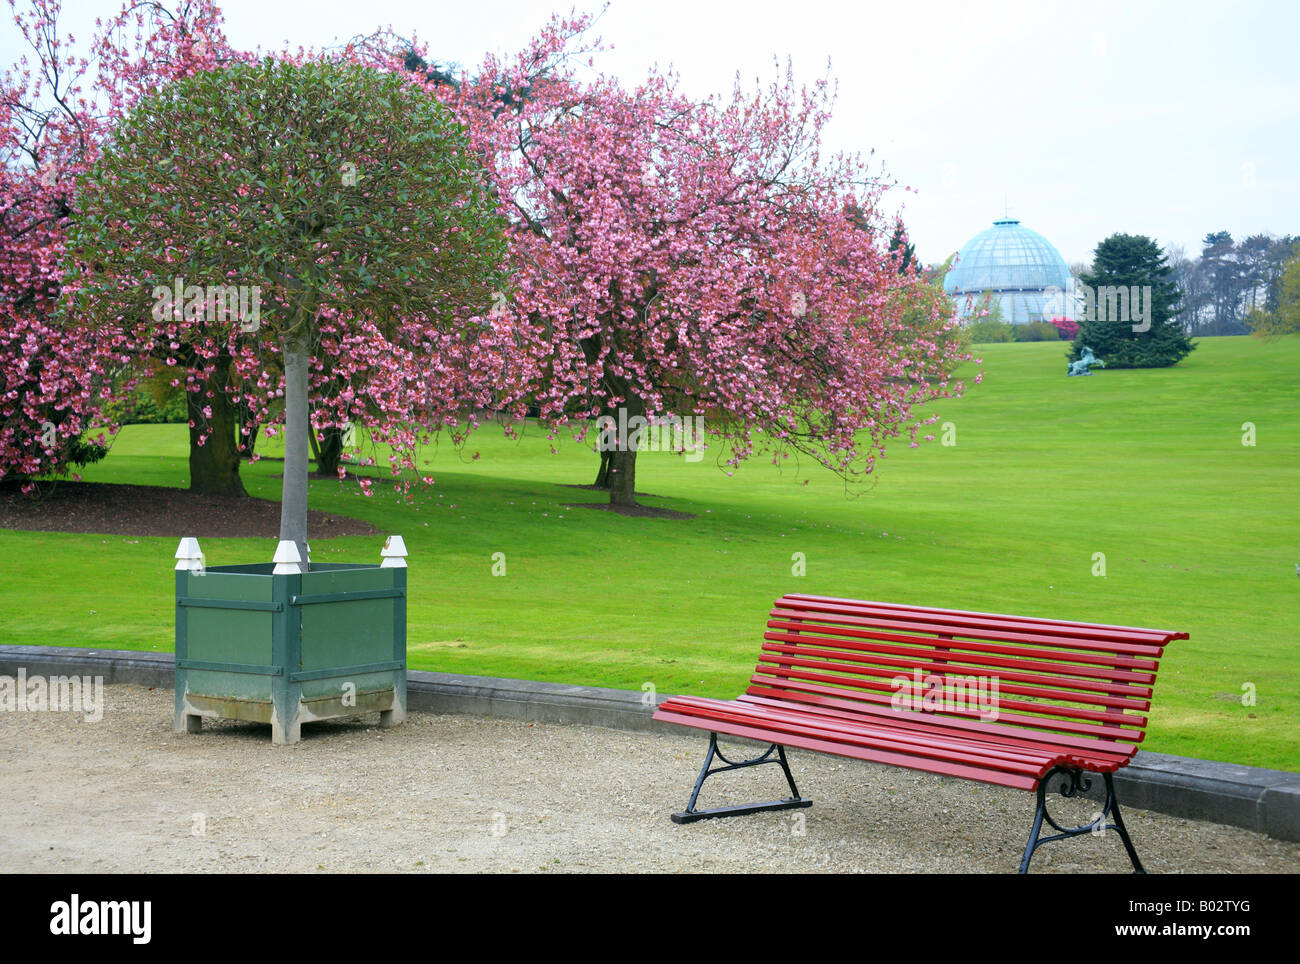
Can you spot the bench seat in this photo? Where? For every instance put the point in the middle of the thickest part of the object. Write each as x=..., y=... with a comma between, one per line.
x=989, y=754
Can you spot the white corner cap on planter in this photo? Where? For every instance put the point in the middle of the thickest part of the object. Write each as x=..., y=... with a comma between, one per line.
x=287, y=558
x=393, y=553
x=189, y=557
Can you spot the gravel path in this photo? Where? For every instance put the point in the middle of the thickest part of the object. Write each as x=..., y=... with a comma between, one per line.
x=462, y=793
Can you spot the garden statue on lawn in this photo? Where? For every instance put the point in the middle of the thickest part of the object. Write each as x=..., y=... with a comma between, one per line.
x=1081, y=366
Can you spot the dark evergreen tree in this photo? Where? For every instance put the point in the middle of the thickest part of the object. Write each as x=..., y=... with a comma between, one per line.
x=1130, y=260
x=1221, y=267
x=1252, y=255
x=438, y=74
x=898, y=245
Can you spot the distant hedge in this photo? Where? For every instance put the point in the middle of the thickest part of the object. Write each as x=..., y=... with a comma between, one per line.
x=141, y=408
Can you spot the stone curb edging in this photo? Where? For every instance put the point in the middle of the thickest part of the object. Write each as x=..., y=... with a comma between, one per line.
x=1266, y=801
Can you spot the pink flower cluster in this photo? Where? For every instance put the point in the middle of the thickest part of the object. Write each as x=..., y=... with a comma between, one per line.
x=1067, y=327
x=54, y=113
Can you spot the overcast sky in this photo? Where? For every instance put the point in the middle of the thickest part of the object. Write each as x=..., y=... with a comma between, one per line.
x=1169, y=119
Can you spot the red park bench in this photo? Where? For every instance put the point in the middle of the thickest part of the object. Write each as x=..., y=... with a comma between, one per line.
x=1009, y=700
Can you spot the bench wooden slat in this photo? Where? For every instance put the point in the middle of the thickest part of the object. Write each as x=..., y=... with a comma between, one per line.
x=943, y=745
x=804, y=741
x=1105, y=753
x=953, y=683
x=1139, y=646
x=869, y=663
x=962, y=616
x=1103, y=664
x=1063, y=726
x=1050, y=636
x=1055, y=707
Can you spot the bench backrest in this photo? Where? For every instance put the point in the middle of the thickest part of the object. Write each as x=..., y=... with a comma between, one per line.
x=1080, y=680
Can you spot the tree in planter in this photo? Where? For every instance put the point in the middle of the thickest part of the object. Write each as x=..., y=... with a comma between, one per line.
x=684, y=259
x=342, y=197
x=1137, y=265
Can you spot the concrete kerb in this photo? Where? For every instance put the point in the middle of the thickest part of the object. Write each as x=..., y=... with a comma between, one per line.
x=1266, y=801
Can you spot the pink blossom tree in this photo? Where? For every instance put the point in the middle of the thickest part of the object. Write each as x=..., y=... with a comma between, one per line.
x=675, y=258
x=57, y=104
x=45, y=379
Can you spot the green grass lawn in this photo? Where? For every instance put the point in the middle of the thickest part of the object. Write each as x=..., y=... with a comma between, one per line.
x=1200, y=533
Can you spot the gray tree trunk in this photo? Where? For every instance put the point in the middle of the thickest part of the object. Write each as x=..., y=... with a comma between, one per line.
x=214, y=464
x=622, y=478
x=622, y=466
x=329, y=452
x=606, y=458
x=293, y=500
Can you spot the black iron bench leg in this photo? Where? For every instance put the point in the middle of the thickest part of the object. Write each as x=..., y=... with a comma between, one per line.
x=1119, y=825
x=1076, y=783
x=690, y=814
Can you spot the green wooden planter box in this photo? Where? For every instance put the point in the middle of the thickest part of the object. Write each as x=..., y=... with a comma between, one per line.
x=289, y=649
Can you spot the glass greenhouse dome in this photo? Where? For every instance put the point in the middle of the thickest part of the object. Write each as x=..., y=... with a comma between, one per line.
x=1017, y=267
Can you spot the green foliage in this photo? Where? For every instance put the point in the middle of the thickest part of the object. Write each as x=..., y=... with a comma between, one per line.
x=929, y=313
x=332, y=196
x=329, y=186
x=82, y=452
x=1129, y=261
x=989, y=331
x=990, y=327
x=142, y=407
x=1036, y=331
x=1285, y=320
